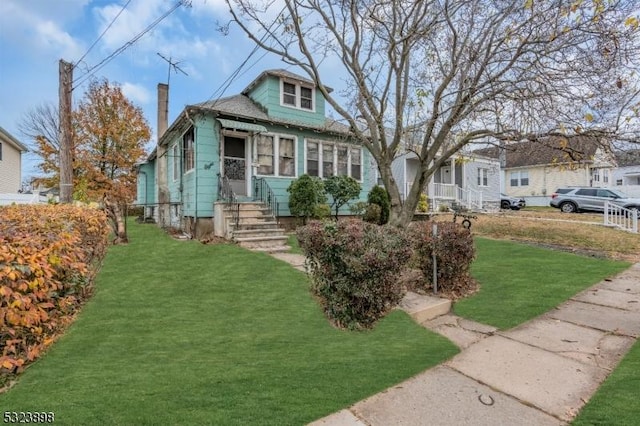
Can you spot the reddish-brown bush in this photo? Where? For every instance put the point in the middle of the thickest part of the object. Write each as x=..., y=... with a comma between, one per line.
x=48, y=256
x=454, y=250
x=354, y=268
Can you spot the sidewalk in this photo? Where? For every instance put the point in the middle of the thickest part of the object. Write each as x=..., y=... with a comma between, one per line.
x=541, y=372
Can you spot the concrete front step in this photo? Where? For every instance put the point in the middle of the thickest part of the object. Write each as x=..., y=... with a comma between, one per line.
x=249, y=212
x=262, y=242
x=272, y=224
x=264, y=232
x=422, y=308
x=250, y=219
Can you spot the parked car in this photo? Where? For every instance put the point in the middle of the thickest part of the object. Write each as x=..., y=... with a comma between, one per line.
x=571, y=200
x=513, y=203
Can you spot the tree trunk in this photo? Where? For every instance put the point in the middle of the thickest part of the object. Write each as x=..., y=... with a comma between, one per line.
x=116, y=215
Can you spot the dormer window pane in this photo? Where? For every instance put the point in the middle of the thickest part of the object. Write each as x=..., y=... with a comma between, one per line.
x=306, y=98
x=289, y=94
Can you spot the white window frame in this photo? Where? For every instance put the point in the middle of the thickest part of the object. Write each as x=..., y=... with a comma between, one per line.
x=519, y=177
x=298, y=95
x=335, y=145
x=483, y=177
x=276, y=154
x=175, y=156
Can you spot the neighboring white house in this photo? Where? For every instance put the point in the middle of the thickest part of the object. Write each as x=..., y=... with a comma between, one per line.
x=534, y=170
x=626, y=177
x=471, y=180
x=10, y=162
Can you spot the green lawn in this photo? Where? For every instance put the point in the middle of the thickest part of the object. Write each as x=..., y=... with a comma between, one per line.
x=184, y=333
x=616, y=401
x=519, y=282
x=293, y=243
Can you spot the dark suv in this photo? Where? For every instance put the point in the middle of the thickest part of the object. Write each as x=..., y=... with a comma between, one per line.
x=570, y=200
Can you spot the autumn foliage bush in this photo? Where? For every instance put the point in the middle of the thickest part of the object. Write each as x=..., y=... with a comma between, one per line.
x=454, y=252
x=354, y=266
x=48, y=257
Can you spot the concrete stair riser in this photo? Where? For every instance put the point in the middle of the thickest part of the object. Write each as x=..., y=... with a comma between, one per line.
x=262, y=242
x=247, y=233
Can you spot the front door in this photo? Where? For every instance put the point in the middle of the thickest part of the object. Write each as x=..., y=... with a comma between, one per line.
x=235, y=164
x=445, y=174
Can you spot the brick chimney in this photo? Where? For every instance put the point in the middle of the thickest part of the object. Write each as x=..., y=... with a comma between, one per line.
x=162, y=158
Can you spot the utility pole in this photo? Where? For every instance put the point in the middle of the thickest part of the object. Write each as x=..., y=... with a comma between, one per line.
x=66, y=142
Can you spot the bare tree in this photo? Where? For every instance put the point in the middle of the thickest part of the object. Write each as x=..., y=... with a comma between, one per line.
x=447, y=73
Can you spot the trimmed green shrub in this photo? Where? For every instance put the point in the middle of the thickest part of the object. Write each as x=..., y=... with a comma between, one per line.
x=379, y=195
x=342, y=190
x=306, y=193
x=423, y=204
x=321, y=211
x=354, y=268
x=359, y=208
x=454, y=250
x=372, y=214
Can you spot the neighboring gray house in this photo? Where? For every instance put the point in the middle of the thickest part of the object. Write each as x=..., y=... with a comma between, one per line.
x=471, y=180
x=10, y=162
x=626, y=177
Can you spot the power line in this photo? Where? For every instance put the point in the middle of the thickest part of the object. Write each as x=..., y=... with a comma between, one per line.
x=103, y=33
x=124, y=47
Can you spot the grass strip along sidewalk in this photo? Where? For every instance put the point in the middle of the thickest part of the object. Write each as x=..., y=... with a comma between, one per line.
x=184, y=333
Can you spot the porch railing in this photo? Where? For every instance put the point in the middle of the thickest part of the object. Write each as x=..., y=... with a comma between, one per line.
x=620, y=217
x=470, y=198
x=226, y=194
x=263, y=192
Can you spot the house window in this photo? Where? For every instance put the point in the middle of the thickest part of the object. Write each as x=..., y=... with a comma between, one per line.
x=175, y=155
x=187, y=148
x=0, y=151
x=289, y=94
x=312, y=159
x=297, y=95
x=287, y=157
x=519, y=178
x=265, y=155
x=618, y=182
x=483, y=177
x=605, y=176
x=356, y=169
x=595, y=175
x=338, y=160
x=276, y=155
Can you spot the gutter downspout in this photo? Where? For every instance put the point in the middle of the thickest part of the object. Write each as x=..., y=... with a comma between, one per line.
x=141, y=172
x=195, y=175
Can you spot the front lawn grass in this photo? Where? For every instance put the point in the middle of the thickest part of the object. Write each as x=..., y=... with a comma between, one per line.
x=184, y=333
x=518, y=282
x=616, y=401
x=293, y=243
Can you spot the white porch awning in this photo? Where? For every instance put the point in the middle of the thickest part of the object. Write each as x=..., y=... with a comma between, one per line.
x=241, y=125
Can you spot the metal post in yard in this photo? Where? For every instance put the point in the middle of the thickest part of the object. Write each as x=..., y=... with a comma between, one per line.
x=434, y=259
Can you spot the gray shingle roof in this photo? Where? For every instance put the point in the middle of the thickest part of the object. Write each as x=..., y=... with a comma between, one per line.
x=546, y=151
x=242, y=107
x=280, y=73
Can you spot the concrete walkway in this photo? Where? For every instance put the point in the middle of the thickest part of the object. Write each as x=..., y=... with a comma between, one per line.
x=541, y=372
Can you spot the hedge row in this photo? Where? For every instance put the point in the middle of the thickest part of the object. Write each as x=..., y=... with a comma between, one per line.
x=48, y=257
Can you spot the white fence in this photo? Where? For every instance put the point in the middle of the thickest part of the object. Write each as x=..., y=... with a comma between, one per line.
x=470, y=198
x=9, y=199
x=620, y=217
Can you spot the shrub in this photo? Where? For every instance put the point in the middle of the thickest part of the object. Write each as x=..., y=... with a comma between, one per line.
x=342, y=190
x=379, y=195
x=372, y=214
x=359, y=208
x=423, y=204
x=354, y=268
x=306, y=193
x=454, y=250
x=321, y=211
x=48, y=257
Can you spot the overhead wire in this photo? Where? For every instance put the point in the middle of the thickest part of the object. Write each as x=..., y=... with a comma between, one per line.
x=103, y=33
x=91, y=71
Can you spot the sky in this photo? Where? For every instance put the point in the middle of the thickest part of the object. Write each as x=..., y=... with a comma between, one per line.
x=36, y=34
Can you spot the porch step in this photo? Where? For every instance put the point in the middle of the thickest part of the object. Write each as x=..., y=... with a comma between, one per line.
x=248, y=211
x=264, y=232
x=251, y=218
x=243, y=225
x=262, y=242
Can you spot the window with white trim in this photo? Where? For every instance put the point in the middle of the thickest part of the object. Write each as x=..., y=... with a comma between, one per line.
x=297, y=95
x=605, y=176
x=334, y=159
x=595, y=175
x=520, y=178
x=175, y=155
x=276, y=155
x=187, y=148
x=483, y=177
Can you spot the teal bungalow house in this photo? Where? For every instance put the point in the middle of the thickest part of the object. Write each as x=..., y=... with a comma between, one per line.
x=224, y=166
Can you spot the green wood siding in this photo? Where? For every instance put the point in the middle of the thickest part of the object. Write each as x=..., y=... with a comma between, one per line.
x=147, y=184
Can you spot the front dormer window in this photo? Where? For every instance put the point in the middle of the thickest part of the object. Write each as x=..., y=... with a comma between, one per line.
x=297, y=95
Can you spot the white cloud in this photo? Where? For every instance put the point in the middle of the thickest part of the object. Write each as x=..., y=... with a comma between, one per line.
x=136, y=93
x=215, y=7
